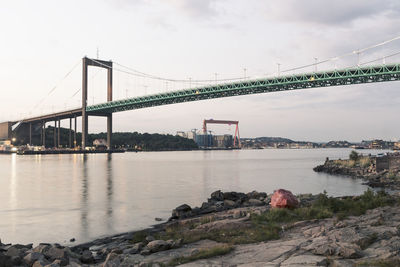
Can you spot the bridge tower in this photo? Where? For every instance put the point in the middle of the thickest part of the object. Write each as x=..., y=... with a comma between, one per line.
x=101, y=64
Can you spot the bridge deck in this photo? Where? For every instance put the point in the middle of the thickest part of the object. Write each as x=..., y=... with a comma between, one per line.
x=371, y=74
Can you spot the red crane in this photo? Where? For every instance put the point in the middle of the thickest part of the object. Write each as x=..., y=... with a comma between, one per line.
x=237, y=136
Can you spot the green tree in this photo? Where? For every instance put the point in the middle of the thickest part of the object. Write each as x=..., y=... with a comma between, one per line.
x=354, y=155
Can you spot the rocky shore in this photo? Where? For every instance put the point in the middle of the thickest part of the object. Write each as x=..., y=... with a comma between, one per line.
x=237, y=229
x=363, y=168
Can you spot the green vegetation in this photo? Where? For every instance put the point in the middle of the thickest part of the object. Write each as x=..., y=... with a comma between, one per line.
x=355, y=160
x=243, y=235
x=202, y=254
x=354, y=156
x=391, y=175
x=147, y=142
x=135, y=140
x=325, y=207
x=345, y=163
x=139, y=236
x=380, y=263
x=365, y=162
x=268, y=225
x=23, y=136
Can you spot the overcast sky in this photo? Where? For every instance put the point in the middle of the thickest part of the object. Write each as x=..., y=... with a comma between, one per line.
x=44, y=40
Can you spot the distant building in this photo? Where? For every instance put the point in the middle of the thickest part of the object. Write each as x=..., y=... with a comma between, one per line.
x=204, y=140
x=5, y=130
x=191, y=135
x=100, y=143
x=5, y=145
x=188, y=135
x=223, y=141
x=377, y=144
x=387, y=162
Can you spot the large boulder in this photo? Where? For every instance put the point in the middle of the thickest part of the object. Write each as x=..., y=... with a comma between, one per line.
x=42, y=263
x=42, y=247
x=283, y=199
x=15, y=251
x=5, y=260
x=257, y=195
x=55, y=253
x=180, y=211
x=87, y=257
x=255, y=202
x=32, y=257
x=235, y=196
x=229, y=203
x=217, y=196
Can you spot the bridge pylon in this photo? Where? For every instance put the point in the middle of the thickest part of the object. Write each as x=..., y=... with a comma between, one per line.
x=86, y=62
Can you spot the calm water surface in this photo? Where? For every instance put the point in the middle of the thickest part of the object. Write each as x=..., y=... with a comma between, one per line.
x=52, y=198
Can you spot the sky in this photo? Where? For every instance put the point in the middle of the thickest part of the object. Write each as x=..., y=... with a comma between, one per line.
x=43, y=43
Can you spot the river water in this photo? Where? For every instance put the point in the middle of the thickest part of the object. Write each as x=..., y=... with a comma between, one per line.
x=53, y=198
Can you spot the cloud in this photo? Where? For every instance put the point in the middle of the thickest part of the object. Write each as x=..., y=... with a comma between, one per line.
x=122, y=4
x=330, y=12
x=197, y=8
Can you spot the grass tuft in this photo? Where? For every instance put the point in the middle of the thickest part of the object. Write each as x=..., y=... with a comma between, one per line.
x=326, y=207
x=139, y=236
x=380, y=263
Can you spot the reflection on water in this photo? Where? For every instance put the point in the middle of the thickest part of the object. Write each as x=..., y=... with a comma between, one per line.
x=109, y=173
x=88, y=196
x=84, y=201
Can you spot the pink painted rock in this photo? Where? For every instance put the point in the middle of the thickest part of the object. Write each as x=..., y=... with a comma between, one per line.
x=283, y=199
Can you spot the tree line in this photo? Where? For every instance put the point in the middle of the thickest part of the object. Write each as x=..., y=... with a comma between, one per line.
x=129, y=140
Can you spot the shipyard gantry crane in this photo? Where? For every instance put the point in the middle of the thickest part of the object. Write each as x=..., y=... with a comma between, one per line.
x=237, y=136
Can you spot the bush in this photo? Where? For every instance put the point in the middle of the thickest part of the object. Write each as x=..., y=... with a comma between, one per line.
x=354, y=155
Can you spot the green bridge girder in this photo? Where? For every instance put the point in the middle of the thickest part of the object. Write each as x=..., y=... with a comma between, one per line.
x=360, y=75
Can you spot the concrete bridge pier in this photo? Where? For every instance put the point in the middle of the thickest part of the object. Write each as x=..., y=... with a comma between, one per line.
x=75, y=132
x=109, y=131
x=70, y=133
x=44, y=133
x=30, y=133
x=55, y=134
x=85, y=64
x=109, y=99
x=102, y=64
x=58, y=134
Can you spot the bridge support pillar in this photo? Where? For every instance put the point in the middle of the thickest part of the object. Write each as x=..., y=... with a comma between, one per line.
x=55, y=134
x=59, y=134
x=102, y=64
x=109, y=131
x=70, y=133
x=30, y=133
x=44, y=134
x=75, y=133
x=109, y=98
x=85, y=63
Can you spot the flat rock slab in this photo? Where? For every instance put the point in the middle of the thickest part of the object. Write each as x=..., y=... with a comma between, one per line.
x=305, y=260
x=374, y=235
x=254, y=254
x=167, y=255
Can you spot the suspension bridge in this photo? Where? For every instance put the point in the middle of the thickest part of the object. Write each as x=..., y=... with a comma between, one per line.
x=359, y=74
